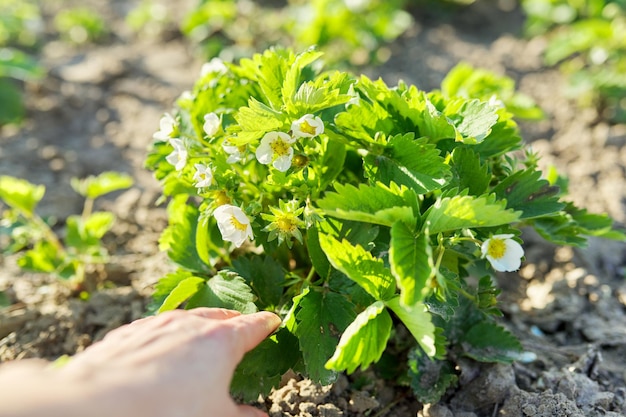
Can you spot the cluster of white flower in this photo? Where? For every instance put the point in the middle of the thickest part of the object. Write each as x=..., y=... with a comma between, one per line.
x=275, y=148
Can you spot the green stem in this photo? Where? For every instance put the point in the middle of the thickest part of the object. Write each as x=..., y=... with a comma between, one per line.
x=87, y=208
x=310, y=275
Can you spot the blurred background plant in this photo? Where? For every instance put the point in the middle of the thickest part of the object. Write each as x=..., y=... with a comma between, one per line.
x=20, y=27
x=587, y=40
x=68, y=257
x=80, y=26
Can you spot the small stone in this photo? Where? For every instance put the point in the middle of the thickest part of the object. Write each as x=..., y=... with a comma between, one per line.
x=360, y=402
x=329, y=410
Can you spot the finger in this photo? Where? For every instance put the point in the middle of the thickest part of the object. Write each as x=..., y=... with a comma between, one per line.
x=214, y=313
x=251, y=329
x=249, y=411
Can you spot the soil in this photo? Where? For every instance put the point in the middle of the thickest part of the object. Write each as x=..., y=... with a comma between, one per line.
x=98, y=107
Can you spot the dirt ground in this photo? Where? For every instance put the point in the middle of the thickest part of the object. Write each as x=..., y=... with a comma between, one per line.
x=98, y=107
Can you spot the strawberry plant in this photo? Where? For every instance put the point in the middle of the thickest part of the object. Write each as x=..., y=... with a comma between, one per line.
x=352, y=209
x=45, y=251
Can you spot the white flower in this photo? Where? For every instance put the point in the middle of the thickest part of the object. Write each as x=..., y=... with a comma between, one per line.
x=307, y=126
x=504, y=253
x=178, y=157
x=276, y=147
x=167, y=125
x=215, y=65
x=235, y=152
x=233, y=224
x=203, y=176
x=212, y=124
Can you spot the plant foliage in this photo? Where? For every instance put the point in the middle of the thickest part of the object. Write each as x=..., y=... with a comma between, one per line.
x=350, y=207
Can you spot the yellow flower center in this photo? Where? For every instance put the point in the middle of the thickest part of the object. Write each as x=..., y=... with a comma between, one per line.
x=286, y=224
x=496, y=248
x=280, y=147
x=221, y=198
x=307, y=128
x=237, y=224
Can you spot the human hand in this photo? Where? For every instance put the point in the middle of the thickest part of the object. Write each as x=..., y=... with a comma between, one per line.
x=179, y=363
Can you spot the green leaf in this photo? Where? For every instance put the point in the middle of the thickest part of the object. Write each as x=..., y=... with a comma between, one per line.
x=97, y=186
x=43, y=257
x=406, y=161
x=364, y=340
x=225, y=290
x=12, y=109
x=292, y=77
x=570, y=226
x=175, y=239
x=417, y=319
x=434, y=124
x=463, y=211
x=266, y=277
x=319, y=261
x=208, y=240
x=321, y=319
x=430, y=379
x=377, y=204
x=360, y=266
x=184, y=290
x=18, y=65
x=527, y=192
x=410, y=258
x=468, y=173
x=82, y=233
x=472, y=119
x=489, y=342
x=20, y=194
x=256, y=120
x=269, y=69
x=262, y=368
x=164, y=287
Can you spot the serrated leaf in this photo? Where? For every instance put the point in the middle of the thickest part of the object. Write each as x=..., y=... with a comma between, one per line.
x=434, y=124
x=377, y=204
x=410, y=259
x=430, y=379
x=489, y=342
x=468, y=173
x=463, y=211
x=472, y=119
x=255, y=120
x=97, y=186
x=269, y=70
x=406, y=161
x=315, y=96
x=570, y=226
x=225, y=290
x=183, y=291
x=321, y=319
x=292, y=77
x=266, y=277
x=527, y=192
x=417, y=319
x=262, y=368
x=360, y=266
x=20, y=194
x=364, y=341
